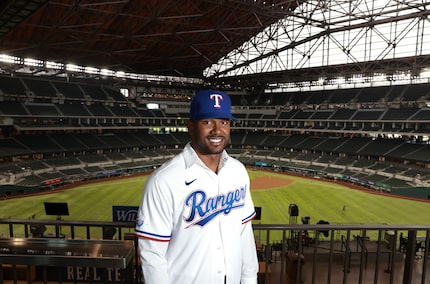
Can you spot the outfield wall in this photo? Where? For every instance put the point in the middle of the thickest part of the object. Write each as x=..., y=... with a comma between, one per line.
x=414, y=192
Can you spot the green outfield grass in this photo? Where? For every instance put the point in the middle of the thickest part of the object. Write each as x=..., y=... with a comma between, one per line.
x=317, y=199
x=322, y=200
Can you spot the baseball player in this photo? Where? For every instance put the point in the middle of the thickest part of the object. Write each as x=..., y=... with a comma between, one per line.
x=194, y=219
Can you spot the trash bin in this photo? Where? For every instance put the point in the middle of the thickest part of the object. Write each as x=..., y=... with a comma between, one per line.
x=294, y=273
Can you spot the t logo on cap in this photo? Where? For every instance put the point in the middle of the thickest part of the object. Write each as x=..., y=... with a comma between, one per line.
x=210, y=104
x=217, y=98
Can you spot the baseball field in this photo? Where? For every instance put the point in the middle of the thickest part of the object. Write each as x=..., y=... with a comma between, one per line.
x=273, y=192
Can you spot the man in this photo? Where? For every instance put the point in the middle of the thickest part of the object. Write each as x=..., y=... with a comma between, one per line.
x=194, y=219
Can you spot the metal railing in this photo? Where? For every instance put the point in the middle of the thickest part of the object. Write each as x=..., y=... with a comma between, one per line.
x=320, y=253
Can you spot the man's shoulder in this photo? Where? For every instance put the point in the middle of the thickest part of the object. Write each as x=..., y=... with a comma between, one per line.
x=173, y=165
x=234, y=161
x=235, y=165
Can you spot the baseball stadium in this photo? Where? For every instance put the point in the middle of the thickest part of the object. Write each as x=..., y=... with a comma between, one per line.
x=332, y=100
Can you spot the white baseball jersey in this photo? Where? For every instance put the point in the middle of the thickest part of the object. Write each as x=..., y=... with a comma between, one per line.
x=194, y=225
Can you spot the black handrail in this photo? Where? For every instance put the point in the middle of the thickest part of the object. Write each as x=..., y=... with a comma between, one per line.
x=305, y=258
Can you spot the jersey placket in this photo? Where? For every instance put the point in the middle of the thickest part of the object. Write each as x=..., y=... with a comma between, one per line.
x=219, y=254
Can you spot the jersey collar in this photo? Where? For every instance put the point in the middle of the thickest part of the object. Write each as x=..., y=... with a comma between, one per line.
x=191, y=157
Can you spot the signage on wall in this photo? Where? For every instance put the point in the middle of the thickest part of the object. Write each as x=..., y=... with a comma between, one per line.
x=124, y=213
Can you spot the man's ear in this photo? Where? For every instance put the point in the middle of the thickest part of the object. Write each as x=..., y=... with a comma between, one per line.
x=190, y=125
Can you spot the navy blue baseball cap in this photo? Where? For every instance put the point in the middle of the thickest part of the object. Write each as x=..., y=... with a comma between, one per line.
x=210, y=104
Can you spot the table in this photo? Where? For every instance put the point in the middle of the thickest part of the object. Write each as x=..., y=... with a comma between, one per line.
x=67, y=253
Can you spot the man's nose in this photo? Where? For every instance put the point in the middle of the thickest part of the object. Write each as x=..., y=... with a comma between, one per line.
x=216, y=127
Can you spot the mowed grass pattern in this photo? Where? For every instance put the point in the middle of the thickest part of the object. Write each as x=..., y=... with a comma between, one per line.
x=322, y=200
x=317, y=199
x=86, y=202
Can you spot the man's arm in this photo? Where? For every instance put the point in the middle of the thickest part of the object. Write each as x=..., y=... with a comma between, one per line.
x=153, y=229
x=153, y=261
x=249, y=256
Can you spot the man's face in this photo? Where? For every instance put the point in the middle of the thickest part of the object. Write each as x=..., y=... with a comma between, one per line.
x=209, y=136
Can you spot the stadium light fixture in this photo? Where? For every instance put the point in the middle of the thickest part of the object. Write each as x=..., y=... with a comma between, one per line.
x=9, y=59
x=33, y=62
x=74, y=68
x=57, y=66
x=54, y=65
x=120, y=74
x=107, y=72
x=91, y=70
